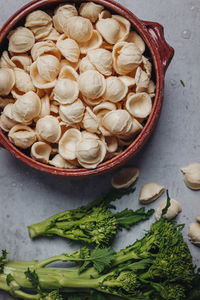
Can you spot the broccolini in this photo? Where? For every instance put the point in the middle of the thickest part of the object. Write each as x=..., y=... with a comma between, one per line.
x=158, y=266
x=93, y=223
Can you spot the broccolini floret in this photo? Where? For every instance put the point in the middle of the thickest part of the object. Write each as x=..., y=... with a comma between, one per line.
x=158, y=266
x=94, y=223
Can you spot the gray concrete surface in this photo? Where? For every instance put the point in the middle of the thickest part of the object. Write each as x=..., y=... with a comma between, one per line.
x=28, y=196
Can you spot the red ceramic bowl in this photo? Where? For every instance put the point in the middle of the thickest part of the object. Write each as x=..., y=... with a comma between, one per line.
x=161, y=53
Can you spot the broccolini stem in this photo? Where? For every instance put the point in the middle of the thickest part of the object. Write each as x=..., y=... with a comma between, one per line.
x=22, y=295
x=69, y=224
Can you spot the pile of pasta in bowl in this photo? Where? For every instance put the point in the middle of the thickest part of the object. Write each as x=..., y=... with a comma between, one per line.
x=75, y=86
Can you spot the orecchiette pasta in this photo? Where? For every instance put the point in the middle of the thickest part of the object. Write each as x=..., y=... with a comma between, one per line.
x=48, y=129
x=90, y=11
x=41, y=151
x=26, y=108
x=68, y=144
x=116, y=90
x=75, y=85
x=79, y=29
x=69, y=48
x=61, y=15
x=139, y=105
x=90, y=152
x=21, y=40
x=92, y=84
x=126, y=57
x=22, y=136
x=22, y=61
x=72, y=113
x=101, y=60
x=90, y=121
x=23, y=83
x=7, y=81
x=118, y=122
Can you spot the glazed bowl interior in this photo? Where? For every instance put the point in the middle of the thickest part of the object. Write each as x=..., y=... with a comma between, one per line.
x=157, y=75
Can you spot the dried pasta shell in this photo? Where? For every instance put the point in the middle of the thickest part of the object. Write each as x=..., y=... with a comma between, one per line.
x=41, y=151
x=101, y=110
x=90, y=11
x=192, y=176
x=45, y=106
x=21, y=40
x=65, y=62
x=127, y=139
x=128, y=80
x=22, y=61
x=40, y=23
x=111, y=144
x=78, y=28
x=72, y=113
x=109, y=28
x=92, y=102
x=136, y=127
x=133, y=37
x=104, y=106
x=147, y=66
x=117, y=122
x=41, y=32
x=94, y=43
x=126, y=57
x=22, y=136
x=90, y=121
x=85, y=65
x=125, y=177
x=68, y=73
x=6, y=62
x=142, y=80
x=68, y=144
x=7, y=81
x=47, y=47
x=61, y=14
x=52, y=36
x=174, y=209
x=6, y=120
x=69, y=48
x=90, y=153
x=66, y=90
x=151, y=89
x=38, y=81
x=150, y=192
x=139, y=105
x=59, y=162
x=23, y=83
x=101, y=60
x=125, y=26
x=194, y=233
x=48, y=67
x=37, y=18
x=26, y=108
x=92, y=84
x=49, y=129
x=116, y=90
x=88, y=135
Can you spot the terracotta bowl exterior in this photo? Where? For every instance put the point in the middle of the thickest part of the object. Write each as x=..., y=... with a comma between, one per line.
x=161, y=53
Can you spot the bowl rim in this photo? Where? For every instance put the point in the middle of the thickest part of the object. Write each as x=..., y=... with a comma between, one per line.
x=144, y=135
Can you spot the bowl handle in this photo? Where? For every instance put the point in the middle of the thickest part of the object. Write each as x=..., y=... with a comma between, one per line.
x=156, y=31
